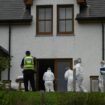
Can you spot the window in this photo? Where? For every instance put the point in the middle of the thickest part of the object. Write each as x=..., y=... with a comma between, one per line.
x=65, y=23
x=44, y=20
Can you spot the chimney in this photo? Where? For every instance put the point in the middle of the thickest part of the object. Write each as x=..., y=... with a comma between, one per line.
x=81, y=2
x=28, y=2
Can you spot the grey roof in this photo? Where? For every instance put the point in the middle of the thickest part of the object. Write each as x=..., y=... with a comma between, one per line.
x=13, y=11
x=95, y=9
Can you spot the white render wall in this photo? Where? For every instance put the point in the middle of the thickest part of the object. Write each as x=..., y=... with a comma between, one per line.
x=86, y=42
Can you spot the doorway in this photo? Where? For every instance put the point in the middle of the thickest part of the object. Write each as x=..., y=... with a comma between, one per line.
x=43, y=65
x=58, y=68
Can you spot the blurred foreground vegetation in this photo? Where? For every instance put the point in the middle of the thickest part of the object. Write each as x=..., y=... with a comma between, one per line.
x=55, y=98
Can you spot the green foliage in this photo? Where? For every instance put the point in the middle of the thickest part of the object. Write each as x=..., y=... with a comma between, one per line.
x=70, y=98
x=96, y=99
x=52, y=98
x=4, y=62
x=19, y=98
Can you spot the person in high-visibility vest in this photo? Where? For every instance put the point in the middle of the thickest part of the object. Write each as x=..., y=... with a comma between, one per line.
x=28, y=65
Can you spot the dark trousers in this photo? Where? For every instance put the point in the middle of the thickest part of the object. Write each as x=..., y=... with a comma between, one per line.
x=28, y=75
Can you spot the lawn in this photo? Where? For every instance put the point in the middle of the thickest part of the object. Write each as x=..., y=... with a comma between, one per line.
x=51, y=98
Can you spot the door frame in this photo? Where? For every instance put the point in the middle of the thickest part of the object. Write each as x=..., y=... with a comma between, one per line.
x=55, y=69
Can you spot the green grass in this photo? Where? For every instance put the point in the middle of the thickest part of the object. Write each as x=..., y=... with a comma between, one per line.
x=52, y=98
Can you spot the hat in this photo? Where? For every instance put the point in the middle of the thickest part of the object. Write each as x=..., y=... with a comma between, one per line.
x=49, y=68
x=28, y=52
x=67, y=68
x=79, y=60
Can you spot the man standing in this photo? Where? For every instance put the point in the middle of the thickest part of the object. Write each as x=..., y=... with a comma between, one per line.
x=101, y=76
x=48, y=78
x=69, y=77
x=79, y=76
x=28, y=65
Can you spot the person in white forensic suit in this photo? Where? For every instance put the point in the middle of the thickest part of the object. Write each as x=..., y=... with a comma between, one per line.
x=101, y=76
x=48, y=78
x=79, y=76
x=69, y=77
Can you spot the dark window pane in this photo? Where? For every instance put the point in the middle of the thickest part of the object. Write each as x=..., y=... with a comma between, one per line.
x=62, y=13
x=41, y=13
x=41, y=26
x=48, y=13
x=68, y=25
x=62, y=26
x=68, y=13
x=48, y=26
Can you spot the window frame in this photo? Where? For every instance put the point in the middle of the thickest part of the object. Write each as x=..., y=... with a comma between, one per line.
x=38, y=20
x=58, y=20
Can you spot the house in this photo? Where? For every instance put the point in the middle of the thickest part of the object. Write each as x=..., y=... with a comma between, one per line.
x=56, y=32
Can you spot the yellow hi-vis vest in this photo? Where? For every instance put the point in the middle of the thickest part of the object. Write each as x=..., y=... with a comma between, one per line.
x=28, y=63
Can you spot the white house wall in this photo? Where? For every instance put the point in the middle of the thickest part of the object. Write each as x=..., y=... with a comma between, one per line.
x=89, y=48
x=86, y=42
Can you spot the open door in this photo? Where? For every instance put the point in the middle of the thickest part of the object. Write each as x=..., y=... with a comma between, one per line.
x=58, y=68
x=43, y=65
x=60, y=65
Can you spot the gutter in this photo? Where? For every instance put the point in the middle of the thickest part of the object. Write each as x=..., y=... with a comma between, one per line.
x=103, y=57
x=9, y=49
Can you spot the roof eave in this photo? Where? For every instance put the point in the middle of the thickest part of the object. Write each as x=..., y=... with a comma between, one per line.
x=90, y=19
x=16, y=21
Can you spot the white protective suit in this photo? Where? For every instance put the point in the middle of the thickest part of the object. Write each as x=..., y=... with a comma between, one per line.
x=79, y=77
x=69, y=77
x=48, y=78
x=101, y=77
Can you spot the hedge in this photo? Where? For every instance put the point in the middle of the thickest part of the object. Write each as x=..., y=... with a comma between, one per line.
x=55, y=98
